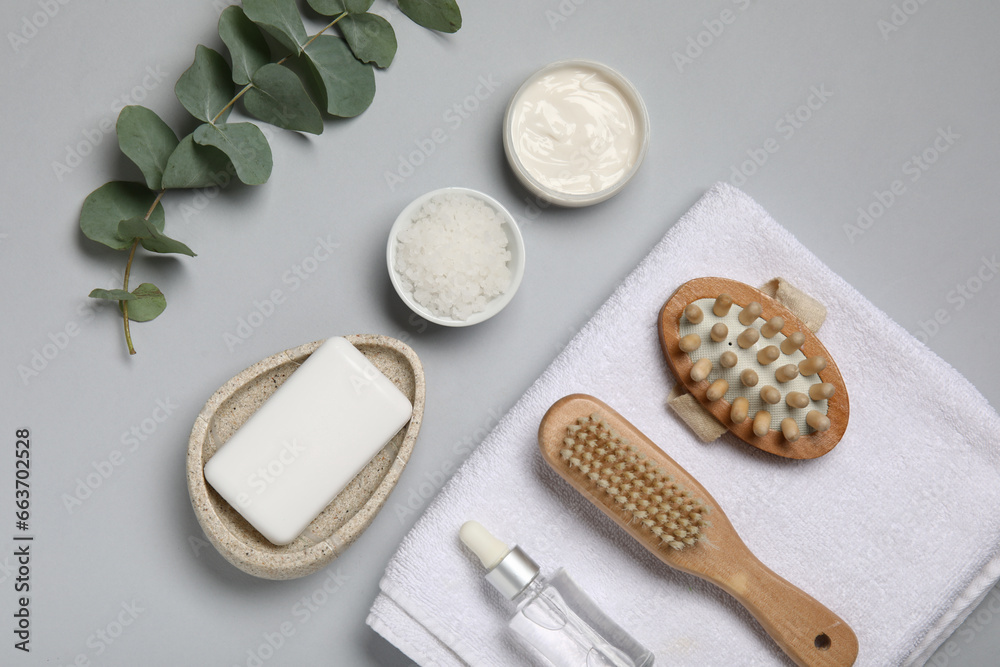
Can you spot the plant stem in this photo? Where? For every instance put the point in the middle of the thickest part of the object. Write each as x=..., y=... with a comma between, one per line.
x=152, y=207
x=231, y=103
x=313, y=38
x=128, y=271
x=328, y=26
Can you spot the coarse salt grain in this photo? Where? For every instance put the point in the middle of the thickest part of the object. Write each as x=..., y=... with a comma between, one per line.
x=453, y=257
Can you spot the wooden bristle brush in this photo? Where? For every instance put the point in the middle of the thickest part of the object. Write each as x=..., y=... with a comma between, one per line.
x=657, y=502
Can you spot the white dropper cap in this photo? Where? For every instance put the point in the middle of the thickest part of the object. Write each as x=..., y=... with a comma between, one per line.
x=510, y=570
x=489, y=549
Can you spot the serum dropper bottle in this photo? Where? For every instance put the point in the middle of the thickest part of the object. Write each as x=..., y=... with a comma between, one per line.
x=553, y=614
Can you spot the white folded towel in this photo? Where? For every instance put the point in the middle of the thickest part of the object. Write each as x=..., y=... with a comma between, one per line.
x=896, y=530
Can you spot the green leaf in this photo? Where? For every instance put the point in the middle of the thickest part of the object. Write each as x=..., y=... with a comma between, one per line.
x=147, y=304
x=345, y=85
x=194, y=166
x=278, y=97
x=165, y=244
x=370, y=37
x=440, y=15
x=280, y=18
x=206, y=87
x=113, y=202
x=150, y=238
x=112, y=294
x=147, y=141
x=245, y=145
x=337, y=7
x=245, y=42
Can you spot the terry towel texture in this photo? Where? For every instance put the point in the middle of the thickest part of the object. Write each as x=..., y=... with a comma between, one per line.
x=896, y=530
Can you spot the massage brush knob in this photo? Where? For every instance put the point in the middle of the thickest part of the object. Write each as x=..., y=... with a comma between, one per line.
x=743, y=355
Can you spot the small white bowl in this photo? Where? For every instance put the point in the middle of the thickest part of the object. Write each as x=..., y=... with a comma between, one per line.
x=515, y=244
x=631, y=97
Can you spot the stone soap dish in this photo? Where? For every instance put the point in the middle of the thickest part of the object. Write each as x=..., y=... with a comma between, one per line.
x=349, y=514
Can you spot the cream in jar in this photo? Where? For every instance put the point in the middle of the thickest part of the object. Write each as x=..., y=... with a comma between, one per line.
x=575, y=132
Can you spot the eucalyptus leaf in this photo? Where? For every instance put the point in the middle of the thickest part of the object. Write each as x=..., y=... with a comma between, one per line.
x=345, y=85
x=113, y=202
x=150, y=238
x=278, y=97
x=245, y=145
x=206, y=87
x=166, y=245
x=246, y=44
x=280, y=18
x=337, y=7
x=440, y=15
x=370, y=37
x=112, y=294
x=147, y=141
x=194, y=166
x=135, y=228
x=147, y=304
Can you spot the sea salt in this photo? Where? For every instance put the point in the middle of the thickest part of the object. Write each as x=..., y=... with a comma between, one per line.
x=453, y=257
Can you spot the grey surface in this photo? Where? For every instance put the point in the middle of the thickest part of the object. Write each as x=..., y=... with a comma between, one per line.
x=135, y=539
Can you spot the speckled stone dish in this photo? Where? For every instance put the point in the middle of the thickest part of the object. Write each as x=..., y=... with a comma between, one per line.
x=347, y=516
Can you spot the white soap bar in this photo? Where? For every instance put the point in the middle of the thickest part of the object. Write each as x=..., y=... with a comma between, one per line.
x=308, y=441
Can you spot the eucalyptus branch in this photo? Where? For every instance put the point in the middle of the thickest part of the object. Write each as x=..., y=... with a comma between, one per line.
x=124, y=215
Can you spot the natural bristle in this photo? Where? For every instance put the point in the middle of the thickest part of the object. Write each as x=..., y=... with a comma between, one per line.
x=635, y=484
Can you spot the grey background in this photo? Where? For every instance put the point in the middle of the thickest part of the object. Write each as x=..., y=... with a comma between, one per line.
x=135, y=541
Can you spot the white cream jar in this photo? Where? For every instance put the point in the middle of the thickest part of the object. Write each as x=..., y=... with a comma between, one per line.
x=575, y=132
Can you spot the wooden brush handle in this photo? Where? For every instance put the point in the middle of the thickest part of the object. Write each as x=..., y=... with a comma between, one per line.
x=811, y=634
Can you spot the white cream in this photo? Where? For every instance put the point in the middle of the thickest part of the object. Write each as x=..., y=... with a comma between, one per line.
x=575, y=130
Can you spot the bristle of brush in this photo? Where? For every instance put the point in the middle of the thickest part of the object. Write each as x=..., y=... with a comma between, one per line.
x=634, y=484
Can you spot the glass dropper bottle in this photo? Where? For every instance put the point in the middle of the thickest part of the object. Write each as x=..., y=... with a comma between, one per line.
x=553, y=614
